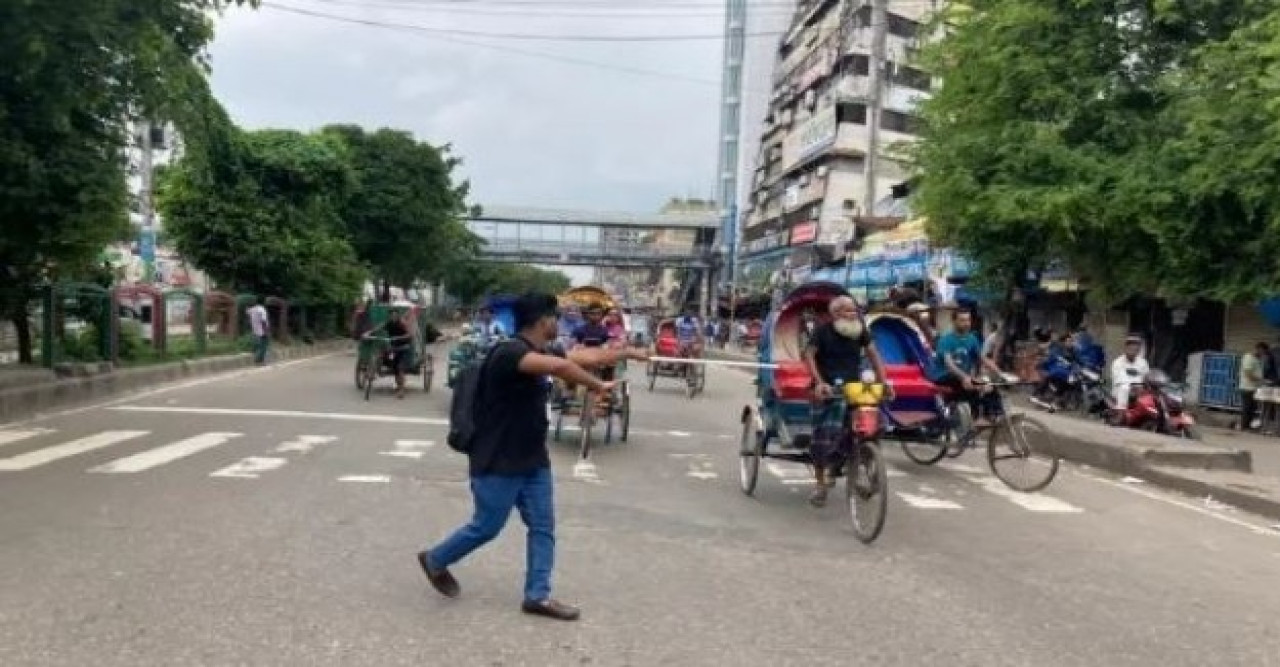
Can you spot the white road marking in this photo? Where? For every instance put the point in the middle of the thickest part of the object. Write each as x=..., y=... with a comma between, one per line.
x=679, y=434
x=893, y=472
x=166, y=454
x=365, y=479
x=174, y=387
x=410, y=449
x=926, y=503
x=402, y=454
x=338, y=416
x=250, y=468
x=703, y=474
x=1131, y=480
x=305, y=443
x=49, y=454
x=1151, y=495
x=8, y=437
x=1034, y=502
x=585, y=471
x=961, y=468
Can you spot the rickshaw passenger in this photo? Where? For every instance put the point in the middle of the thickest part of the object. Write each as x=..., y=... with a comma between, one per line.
x=689, y=333
x=490, y=331
x=835, y=352
x=594, y=334
x=614, y=324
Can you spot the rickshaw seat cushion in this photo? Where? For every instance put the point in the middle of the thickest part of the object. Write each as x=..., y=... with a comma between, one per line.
x=909, y=381
x=792, y=382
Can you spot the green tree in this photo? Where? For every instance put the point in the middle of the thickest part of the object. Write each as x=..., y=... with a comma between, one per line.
x=404, y=215
x=472, y=281
x=74, y=72
x=1218, y=177
x=261, y=212
x=1039, y=144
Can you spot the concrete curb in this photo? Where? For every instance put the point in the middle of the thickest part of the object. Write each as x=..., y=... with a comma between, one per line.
x=27, y=401
x=1259, y=495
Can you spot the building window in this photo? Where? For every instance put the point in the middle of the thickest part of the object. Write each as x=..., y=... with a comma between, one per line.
x=847, y=112
x=904, y=75
x=902, y=27
x=859, y=65
x=898, y=122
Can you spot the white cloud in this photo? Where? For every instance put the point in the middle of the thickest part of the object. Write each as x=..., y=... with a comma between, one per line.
x=531, y=131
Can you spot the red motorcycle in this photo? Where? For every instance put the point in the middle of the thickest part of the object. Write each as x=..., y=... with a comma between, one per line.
x=1156, y=405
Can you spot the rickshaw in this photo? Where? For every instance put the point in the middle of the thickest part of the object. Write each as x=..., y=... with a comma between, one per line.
x=930, y=424
x=667, y=344
x=472, y=346
x=373, y=356
x=587, y=407
x=781, y=423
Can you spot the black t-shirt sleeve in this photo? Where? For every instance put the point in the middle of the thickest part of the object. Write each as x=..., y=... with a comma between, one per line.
x=505, y=363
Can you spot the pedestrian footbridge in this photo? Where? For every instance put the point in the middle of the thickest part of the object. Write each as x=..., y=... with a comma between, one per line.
x=585, y=238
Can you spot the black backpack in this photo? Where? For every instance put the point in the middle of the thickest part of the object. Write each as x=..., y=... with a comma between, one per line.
x=462, y=408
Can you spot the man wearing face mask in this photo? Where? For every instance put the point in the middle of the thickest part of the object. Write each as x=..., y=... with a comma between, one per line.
x=834, y=353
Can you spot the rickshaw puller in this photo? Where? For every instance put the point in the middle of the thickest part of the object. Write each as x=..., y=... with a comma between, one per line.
x=835, y=352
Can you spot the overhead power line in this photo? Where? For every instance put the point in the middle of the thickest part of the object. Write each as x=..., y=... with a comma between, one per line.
x=639, y=71
x=506, y=35
x=525, y=10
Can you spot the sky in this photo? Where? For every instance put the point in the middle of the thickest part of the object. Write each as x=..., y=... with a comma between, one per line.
x=531, y=131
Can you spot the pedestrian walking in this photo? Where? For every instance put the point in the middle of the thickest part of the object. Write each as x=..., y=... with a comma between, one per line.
x=509, y=463
x=1252, y=366
x=260, y=325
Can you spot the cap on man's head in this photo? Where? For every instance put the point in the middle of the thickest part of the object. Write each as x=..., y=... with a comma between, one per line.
x=1133, y=339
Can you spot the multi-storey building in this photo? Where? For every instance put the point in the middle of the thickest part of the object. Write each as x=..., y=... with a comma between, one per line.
x=809, y=184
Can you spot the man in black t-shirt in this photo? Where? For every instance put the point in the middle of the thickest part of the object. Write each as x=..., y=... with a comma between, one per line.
x=401, y=342
x=509, y=463
x=835, y=353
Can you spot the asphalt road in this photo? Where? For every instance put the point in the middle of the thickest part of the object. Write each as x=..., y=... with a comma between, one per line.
x=271, y=517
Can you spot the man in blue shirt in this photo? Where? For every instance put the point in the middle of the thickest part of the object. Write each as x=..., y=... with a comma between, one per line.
x=957, y=360
x=689, y=333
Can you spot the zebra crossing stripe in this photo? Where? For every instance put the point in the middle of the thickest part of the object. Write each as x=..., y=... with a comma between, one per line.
x=8, y=437
x=166, y=454
x=927, y=503
x=250, y=468
x=40, y=457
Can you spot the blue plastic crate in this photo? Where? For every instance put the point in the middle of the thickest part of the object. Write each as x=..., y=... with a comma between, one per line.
x=1219, y=379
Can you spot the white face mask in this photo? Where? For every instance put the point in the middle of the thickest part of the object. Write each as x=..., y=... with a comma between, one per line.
x=848, y=328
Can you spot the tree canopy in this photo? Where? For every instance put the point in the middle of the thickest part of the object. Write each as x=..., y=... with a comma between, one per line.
x=1078, y=130
x=74, y=74
x=404, y=216
x=265, y=217
x=473, y=280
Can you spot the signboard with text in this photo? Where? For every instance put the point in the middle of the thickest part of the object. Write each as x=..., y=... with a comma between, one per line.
x=813, y=135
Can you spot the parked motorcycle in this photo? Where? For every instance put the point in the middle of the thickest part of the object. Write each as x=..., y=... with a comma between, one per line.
x=1156, y=405
x=1079, y=389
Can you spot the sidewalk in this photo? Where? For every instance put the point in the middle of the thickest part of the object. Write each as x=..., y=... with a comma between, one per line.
x=1240, y=469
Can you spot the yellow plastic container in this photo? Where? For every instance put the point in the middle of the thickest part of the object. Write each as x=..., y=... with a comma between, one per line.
x=864, y=393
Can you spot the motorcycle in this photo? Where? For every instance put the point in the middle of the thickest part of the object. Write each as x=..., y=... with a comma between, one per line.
x=1155, y=405
x=1079, y=388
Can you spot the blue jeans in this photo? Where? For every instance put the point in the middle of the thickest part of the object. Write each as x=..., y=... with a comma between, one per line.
x=495, y=496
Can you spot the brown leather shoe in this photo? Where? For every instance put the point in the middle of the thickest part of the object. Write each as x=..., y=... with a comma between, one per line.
x=441, y=580
x=551, y=609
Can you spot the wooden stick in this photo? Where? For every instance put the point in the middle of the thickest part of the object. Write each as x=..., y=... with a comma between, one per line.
x=711, y=362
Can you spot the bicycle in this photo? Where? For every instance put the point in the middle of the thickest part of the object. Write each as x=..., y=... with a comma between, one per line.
x=1007, y=438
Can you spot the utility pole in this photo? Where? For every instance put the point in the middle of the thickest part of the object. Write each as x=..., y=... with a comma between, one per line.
x=147, y=241
x=879, y=36
x=735, y=26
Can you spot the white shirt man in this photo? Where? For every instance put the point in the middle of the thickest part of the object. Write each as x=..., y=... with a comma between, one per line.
x=260, y=324
x=1128, y=369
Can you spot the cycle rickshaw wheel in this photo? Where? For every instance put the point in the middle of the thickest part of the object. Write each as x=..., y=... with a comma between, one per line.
x=371, y=374
x=360, y=374
x=866, y=486
x=585, y=422
x=625, y=412
x=750, y=451
x=1010, y=451
x=428, y=371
